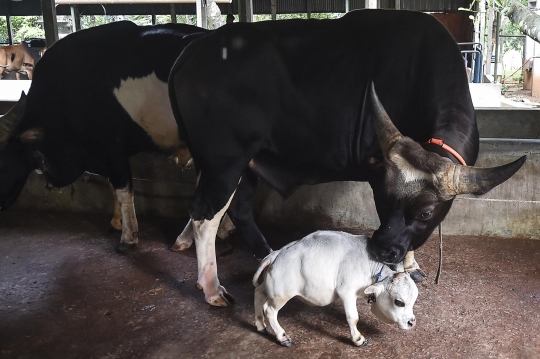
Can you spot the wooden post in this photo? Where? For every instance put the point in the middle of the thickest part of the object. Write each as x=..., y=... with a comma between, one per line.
x=9, y=30
x=154, y=19
x=201, y=14
x=497, y=46
x=49, y=22
x=371, y=4
x=245, y=11
x=489, y=45
x=397, y=4
x=274, y=9
x=75, y=18
x=173, y=14
x=308, y=8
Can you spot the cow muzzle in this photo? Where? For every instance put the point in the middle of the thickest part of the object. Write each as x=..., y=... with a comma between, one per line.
x=392, y=254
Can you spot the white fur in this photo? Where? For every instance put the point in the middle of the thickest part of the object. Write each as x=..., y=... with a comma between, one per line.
x=408, y=171
x=146, y=100
x=325, y=266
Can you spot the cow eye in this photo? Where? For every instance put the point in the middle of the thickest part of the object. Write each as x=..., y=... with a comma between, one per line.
x=399, y=303
x=426, y=215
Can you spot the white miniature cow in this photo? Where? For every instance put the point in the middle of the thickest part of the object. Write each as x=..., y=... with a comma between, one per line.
x=326, y=265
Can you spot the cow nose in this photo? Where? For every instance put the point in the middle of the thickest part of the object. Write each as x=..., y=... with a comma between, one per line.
x=411, y=323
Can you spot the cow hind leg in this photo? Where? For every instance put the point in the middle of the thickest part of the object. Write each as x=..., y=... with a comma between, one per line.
x=116, y=221
x=205, y=237
x=185, y=239
x=274, y=305
x=241, y=212
x=130, y=227
x=411, y=266
x=260, y=304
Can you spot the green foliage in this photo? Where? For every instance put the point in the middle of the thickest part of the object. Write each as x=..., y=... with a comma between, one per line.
x=266, y=17
x=24, y=27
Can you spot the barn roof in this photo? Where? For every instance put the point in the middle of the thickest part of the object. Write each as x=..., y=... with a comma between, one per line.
x=33, y=7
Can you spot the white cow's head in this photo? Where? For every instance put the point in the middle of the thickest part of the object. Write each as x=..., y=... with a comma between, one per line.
x=392, y=300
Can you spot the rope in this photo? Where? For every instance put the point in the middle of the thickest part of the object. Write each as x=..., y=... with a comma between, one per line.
x=438, y=276
x=520, y=68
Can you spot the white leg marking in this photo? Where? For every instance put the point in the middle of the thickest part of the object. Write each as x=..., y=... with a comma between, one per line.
x=116, y=221
x=226, y=227
x=409, y=263
x=185, y=239
x=205, y=239
x=130, y=227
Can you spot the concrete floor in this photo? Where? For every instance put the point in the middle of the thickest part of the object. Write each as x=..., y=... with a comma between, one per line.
x=65, y=293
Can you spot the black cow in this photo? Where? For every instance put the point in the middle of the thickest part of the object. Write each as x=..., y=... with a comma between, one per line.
x=290, y=102
x=98, y=96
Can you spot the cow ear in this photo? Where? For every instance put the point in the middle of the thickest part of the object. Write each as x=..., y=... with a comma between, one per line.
x=32, y=135
x=375, y=289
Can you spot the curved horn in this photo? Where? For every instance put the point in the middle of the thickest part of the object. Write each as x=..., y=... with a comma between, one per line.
x=474, y=180
x=10, y=120
x=387, y=133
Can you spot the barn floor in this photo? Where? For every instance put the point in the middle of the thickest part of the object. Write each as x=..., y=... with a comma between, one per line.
x=65, y=293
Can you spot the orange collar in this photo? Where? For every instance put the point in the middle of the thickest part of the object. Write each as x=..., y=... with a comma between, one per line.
x=439, y=142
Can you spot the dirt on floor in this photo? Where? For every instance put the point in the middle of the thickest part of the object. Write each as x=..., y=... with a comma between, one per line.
x=65, y=293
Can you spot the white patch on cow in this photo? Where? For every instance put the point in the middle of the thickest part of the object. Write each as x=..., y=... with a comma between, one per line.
x=408, y=171
x=146, y=100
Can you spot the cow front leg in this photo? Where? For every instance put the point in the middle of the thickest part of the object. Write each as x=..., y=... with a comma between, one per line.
x=205, y=236
x=226, y=227
x=411, y=266
x=349, y=303
x=130, y=227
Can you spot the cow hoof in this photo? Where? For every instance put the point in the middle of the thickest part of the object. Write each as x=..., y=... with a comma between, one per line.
x=362, y=342
x=223, y=248
x=286, y=341
x=418, y=275
x=222, y=299
x=179, y=247
x=124, y=248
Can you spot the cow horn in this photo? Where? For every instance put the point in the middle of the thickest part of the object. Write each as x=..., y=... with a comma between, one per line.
x=387, y=133
x=10, y=120
x=474, y=180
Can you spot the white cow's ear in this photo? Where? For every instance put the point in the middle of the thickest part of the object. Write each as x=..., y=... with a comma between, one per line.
x=376, y=289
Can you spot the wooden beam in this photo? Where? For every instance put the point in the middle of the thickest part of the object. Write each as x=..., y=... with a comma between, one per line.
x=273, y=4
x=49, y=21
x=308, y=8
x=112, y=2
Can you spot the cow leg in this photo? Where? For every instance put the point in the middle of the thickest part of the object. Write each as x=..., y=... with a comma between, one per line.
x=226, y=227
x=241, y=212
x=205, y=238
x=116, y=221
x=411, y=266
x=259, y=304
x=130, y=227
x=274, y=305
x=185, y=239
x=349, y=303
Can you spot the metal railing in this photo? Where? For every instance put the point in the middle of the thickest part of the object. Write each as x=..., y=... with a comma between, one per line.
x=474, y=58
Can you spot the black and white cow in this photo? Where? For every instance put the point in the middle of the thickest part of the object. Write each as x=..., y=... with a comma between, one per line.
x=98, y=96
x=291, y=102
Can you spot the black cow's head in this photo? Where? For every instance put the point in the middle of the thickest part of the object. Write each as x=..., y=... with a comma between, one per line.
x=414, y=188
x=16, y=159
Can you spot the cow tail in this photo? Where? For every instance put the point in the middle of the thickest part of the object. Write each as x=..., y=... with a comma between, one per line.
x=269, y=259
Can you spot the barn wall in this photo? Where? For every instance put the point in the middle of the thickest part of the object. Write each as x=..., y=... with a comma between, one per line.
x=162, y=189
